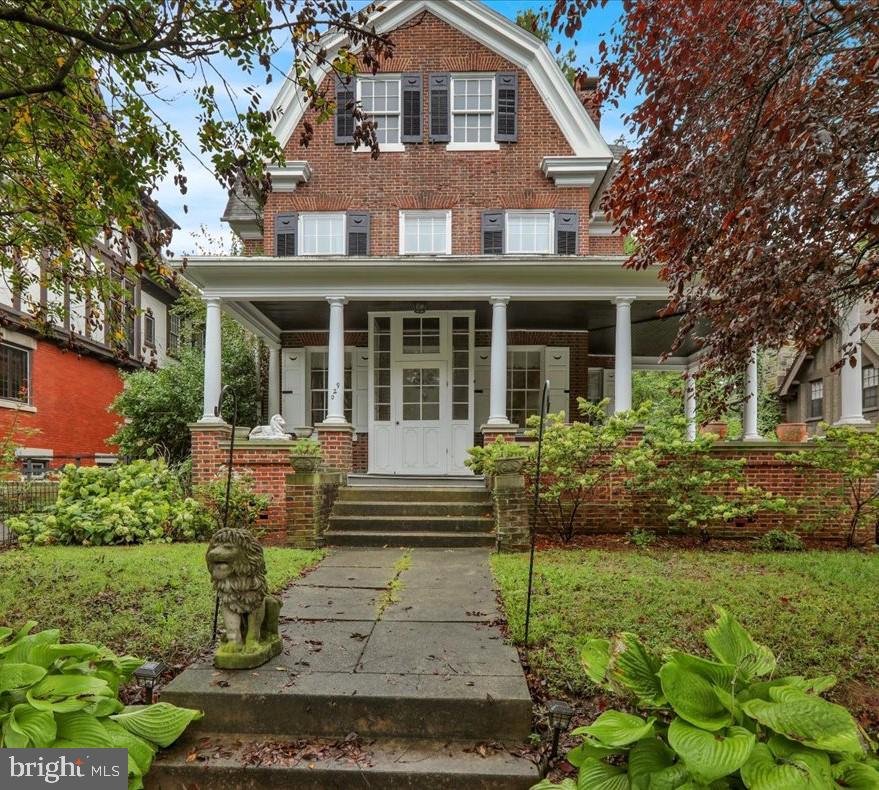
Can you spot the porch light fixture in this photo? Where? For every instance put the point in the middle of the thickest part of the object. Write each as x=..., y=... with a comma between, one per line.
x=148, y=676
x=559, y=714
x=420, y=308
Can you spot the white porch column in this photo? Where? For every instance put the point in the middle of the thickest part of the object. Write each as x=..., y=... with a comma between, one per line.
x=752, y=390
x=622, y=386
x=851, y=382
x=336, y=362
x=274, y=393
x=497, y=412
x=690, y=405
x=213, y=357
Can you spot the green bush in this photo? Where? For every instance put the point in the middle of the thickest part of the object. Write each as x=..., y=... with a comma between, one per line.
x=481, y=460
x=65, y=696
x=719, y=723
x=779, y=540
x=641, y=538
x=306, y=447
x=245, y=505
x=140, y=502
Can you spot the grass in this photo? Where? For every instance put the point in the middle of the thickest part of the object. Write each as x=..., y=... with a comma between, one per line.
x=152, y=601
x=816, y=610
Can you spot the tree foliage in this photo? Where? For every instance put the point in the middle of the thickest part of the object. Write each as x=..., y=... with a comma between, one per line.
x=752, y=187
x=158, y=406
x=83, y=135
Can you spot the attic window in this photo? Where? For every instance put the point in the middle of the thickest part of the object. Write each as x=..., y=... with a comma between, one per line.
x=473, y=109
x=380, y=100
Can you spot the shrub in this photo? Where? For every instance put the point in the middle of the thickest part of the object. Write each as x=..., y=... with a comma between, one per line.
x=306, y=447
x=779, y=540
x=65, y=696
x=641, y=538
x=481, y=460
x=245, y=505
x=140, y=502
x=725, y=722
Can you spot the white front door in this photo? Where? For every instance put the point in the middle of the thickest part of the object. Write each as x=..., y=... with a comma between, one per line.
x=423, y=425
x=421, y=393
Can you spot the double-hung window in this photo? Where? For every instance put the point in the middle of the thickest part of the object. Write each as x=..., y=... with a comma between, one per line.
x=174, y=329
x=425, y=232
x=322, y=233
x=318, y=372
x=871, y=387
x=529, y=232
x=149, y=328
x=473, y=111
x=524, y=382
x=816, y=399
x=380, y=100
x=14, y=373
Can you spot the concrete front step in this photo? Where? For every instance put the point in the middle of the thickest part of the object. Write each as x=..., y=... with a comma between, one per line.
x=413, y=539
x=348, y=507
x=415, y=481
x=414, y=494
x=221, y=761
x=390, y=524
x=334, y=704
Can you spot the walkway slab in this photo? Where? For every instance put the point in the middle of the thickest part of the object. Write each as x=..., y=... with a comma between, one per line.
x=345, y=576
x=330, y=603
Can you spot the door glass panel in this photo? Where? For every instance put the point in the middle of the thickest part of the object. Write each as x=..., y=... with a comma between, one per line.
x=421, y=335
x=421, y=394
x=461, y=367
x=381, y=368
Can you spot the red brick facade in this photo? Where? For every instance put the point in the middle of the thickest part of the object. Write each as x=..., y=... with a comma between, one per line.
x=72, y=395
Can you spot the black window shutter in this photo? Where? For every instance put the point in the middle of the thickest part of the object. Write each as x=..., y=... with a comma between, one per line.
x=567, y=225
x=507, y=95
x=440, y=108
x=492, y=232
x=345, y=98
x=285, y=235
x=358, y=233
x=412, y=93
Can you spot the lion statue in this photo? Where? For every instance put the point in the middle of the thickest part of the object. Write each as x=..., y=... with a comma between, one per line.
x=238, y=571
x=276, y=429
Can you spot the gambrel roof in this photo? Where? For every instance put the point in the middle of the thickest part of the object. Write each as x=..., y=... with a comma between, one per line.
x=493, y=30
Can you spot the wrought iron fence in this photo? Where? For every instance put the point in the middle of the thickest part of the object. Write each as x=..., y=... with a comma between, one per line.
x=23, y=496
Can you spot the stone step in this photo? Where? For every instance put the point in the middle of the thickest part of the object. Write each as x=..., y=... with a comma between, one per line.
x=346, y=507
x=441, y=523
x=416, y=481
x=413, y=539
x=413, y=494
x=226, y=762
x=268, y=702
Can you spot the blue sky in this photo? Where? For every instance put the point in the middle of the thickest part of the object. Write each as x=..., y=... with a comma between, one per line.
x=205, y=198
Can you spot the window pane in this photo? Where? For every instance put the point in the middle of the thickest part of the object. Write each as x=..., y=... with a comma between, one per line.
x=323, y=234
x=425, y=234
x=529, y=232
x=14, y=373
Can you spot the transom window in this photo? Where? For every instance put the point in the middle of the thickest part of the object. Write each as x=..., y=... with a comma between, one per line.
x=14, y=373
x=380, y=100
x=421, y=335
x=816, y=399
x=472, y=109
x=317, y=363
x=524, y=368
x=529, y=231
x=425, y=233
x=871, y=387
x=322, y=233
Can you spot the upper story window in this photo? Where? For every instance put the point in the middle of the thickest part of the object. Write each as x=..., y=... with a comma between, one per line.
x=472, y=109
x=322, y=233
x=816, y=399
x=871, y=387
x=380, y=99
x=425, y=232
x=149, y=328
x=174, y=327
x=14, y=373
x=530, y=232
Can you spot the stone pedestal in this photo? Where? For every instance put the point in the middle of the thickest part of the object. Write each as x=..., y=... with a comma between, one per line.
x=511, y=512
x=336, y=442
x=309, y=501
x=491, y=432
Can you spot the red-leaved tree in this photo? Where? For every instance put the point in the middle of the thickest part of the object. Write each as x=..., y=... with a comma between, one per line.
x=753, y=180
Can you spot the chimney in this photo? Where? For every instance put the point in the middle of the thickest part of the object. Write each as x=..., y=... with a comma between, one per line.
x=586, y=88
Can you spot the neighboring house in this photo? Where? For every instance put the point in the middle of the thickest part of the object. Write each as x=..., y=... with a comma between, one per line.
x=811, y=386
x=414, y=304
x=57, y=383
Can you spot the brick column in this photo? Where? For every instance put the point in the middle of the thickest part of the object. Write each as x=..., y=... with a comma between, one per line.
x=336, y=443
x=309, y=500
x=511, y=512
x=207, y=455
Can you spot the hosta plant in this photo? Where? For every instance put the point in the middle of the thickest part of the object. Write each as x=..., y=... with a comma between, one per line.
x=724, y=722
x=66, y=696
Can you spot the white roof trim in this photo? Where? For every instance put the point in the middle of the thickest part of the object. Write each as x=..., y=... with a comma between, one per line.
x=290, y=175
x=574, y=171
x=487, y=26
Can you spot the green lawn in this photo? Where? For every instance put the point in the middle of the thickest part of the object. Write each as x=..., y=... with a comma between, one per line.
x=151, y=601
x=816, y=610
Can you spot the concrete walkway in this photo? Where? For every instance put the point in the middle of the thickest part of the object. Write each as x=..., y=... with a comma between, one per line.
x=399, y=646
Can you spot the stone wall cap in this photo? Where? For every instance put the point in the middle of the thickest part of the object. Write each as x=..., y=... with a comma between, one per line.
x=210, y=426
x=341, y=427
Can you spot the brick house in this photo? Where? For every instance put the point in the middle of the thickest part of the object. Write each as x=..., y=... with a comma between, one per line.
x=414, y=304
x=57, y=383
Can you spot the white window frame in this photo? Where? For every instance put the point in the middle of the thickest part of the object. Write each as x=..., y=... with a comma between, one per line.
x=545, y=212
x=541, y=350
x=874, y=374
x=398, y=145
x=453, y=145
x=348, y=368
x=404, y=214
x=300, y=230
x=814, y=384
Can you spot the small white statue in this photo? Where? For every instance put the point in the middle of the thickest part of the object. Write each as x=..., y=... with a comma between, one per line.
x=276, y=429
